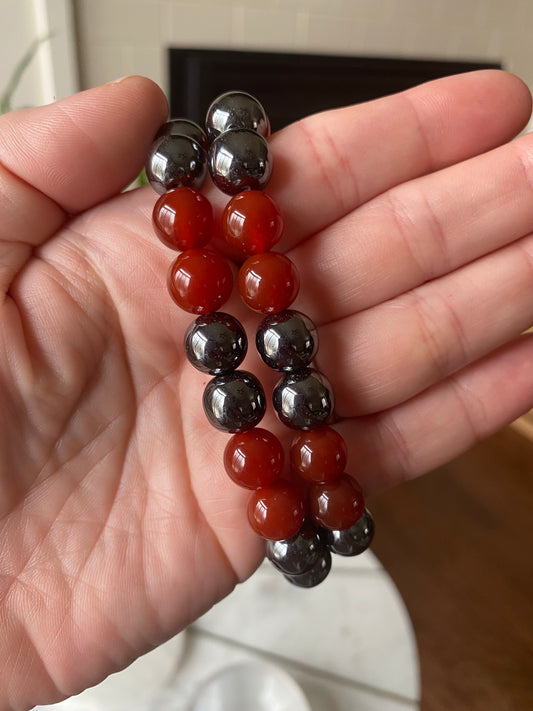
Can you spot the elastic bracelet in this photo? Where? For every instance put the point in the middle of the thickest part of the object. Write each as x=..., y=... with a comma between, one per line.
x=318, y=509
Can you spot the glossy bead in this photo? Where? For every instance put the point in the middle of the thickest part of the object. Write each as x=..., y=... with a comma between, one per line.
x=200, y=281
x=251, y=222
x=183, y=219
x=298, y=554
x=254, y=459
x=303, y=399
x=276, y=512
x=175, y=161
x=315, y=575
x=268, y=282
x=184, y=127
x=287, y=340
x=234, y=402
x=215, y=343
x=351, y=541
x=236, y=109
x=240, y=160
x=318, y=455
x=336, y=505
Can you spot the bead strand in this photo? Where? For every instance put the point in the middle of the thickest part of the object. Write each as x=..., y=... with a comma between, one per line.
x=322, y=509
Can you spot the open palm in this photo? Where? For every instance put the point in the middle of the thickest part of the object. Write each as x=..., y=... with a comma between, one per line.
x=118, y=525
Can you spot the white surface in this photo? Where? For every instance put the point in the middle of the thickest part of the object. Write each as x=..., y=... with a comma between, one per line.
x=251, y=685
x=348, y=643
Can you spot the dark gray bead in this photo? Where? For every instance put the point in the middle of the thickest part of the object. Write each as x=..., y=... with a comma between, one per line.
x=315, y=575
x=236, y=109
x=287, y=340
x=240, y=160
x=184, y=127
x=234, y=402
x=174, y=161
x=352, y=541
x=215, y=343
x=298, y=554
x=303, y=399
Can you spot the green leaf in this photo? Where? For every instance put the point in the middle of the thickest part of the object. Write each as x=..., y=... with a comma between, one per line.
x=18, y=72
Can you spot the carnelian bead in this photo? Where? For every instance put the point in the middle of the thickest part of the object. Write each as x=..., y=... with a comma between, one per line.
x=254, y=459
x=336, y=505
x=319, y=455
x=276, y=512
x=183, y=219
x=268, y=282
x=252, y=222
x=200, y=281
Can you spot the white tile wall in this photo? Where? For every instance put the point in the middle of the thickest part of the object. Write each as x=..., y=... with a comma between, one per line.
x=117, y=37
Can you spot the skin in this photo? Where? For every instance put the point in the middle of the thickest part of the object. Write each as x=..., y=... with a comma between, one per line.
x=410, y=220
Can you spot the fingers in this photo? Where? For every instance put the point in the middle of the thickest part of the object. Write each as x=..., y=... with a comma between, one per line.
x=443, y=421
x=84, y=149
x=59, y=159
x=329, y=164
x=418, y=231
x=399, y=348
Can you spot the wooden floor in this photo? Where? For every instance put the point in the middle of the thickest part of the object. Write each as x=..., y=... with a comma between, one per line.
x=459, y=545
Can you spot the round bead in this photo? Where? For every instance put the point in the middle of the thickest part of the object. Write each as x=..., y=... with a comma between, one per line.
x=236, y=109
x=287, y=340
x=268, y=282
x=215, y=343
x=316, y=575
x=351, y=541
x=183, y=219
x=234, y=402
x=336, y=505
x=200, y=281
x=184, y=127
x=174, y=161
x=298, y=554
x=254, y=459
x=240, y=160
x=276, y=512
x=303, y=399
x=252, y=222
x=319, y=455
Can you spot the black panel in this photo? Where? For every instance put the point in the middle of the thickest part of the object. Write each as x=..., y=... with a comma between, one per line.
x=292, y=86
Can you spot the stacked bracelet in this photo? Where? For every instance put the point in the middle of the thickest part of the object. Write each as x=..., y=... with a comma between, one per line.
x=320, y=509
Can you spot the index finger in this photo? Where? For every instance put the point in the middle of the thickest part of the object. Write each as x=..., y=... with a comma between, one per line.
x=327, y=165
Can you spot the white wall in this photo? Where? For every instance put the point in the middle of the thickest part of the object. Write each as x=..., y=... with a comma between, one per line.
x=118, y=37
x=53, y=71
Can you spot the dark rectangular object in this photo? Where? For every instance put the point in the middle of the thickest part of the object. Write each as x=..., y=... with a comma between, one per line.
x=292, y=86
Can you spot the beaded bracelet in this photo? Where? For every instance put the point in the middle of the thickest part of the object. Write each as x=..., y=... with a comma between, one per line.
x=321, y=509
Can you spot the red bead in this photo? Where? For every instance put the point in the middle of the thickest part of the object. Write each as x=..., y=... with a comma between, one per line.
x=337, y=505
x=268, y=282
x=276, y=512
x=252, y=222
x=319, y=455
x=254, y=459
x=183, y=219
x=200, y=281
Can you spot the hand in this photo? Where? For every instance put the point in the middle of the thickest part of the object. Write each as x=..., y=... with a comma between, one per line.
x=409, y=219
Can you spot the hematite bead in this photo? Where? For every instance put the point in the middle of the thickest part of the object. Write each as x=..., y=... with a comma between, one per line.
x=215, y=343
x=240, y=160
x=303, y=399
x=287, y=340
x=184, y=127
x=315, y=575
x=352, y=541
x=298, y=554
x=236, y=109
x=234, y=402
x=175, y=161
